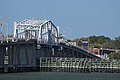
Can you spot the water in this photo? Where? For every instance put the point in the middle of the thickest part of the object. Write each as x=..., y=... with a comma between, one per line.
x=59, y=76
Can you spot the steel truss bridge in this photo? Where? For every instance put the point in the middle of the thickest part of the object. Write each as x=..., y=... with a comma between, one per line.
x=42, y=30
x=45, y=32
x=34, y=39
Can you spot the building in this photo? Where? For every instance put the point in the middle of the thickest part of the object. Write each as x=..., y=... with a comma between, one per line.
x=102, y=52
x=84, y=45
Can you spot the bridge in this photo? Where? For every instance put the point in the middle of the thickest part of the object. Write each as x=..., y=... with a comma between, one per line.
x=32, y=40
x=45, y=32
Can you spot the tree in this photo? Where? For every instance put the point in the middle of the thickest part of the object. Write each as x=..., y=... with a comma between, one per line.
x=98, y=39
x=110, y=44
x=95, y=46
x=116, y=55
x=101, y=42
x=117, y=42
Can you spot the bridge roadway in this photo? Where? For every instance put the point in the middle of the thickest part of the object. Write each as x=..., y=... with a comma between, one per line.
x=25, y=53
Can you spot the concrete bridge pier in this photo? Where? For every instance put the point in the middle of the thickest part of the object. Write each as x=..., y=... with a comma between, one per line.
x=2, y=57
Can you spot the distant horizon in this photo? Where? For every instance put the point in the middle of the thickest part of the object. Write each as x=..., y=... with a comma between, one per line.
x=60, y=31
x=75, y=19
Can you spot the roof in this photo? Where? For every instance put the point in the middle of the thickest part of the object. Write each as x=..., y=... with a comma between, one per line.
x=33, y=21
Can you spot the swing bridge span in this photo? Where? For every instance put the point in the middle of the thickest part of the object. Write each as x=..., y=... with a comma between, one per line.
x=37, y=46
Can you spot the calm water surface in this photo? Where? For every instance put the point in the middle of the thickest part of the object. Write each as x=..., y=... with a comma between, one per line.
x=59, y=76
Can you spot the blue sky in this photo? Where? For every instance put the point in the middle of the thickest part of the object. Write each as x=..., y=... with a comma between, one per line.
x=76, y=18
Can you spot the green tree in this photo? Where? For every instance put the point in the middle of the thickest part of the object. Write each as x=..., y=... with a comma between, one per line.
x=116, y=55
x=98, y=39
x=110, y=44
x=117, y=42
x=95, y=46
x=100, y=42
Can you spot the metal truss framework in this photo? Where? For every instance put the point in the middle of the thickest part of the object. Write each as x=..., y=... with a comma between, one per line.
x=42, y=30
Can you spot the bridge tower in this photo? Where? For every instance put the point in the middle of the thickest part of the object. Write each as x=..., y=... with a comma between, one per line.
x=42, y=30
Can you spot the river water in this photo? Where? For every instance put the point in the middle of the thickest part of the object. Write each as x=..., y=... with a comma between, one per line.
x=59, y=76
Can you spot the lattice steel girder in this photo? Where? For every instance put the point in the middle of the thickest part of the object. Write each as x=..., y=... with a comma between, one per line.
x=42, y=30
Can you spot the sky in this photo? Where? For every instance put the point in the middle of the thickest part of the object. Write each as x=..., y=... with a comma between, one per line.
x=75, y=18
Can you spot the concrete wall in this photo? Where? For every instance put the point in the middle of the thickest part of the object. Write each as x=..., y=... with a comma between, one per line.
x=2, y=51
x=18, y=54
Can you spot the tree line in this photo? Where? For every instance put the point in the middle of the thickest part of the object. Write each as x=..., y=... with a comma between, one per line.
x=102, y=42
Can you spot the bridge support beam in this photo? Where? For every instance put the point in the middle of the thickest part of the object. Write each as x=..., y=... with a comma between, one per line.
x=2, y=55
